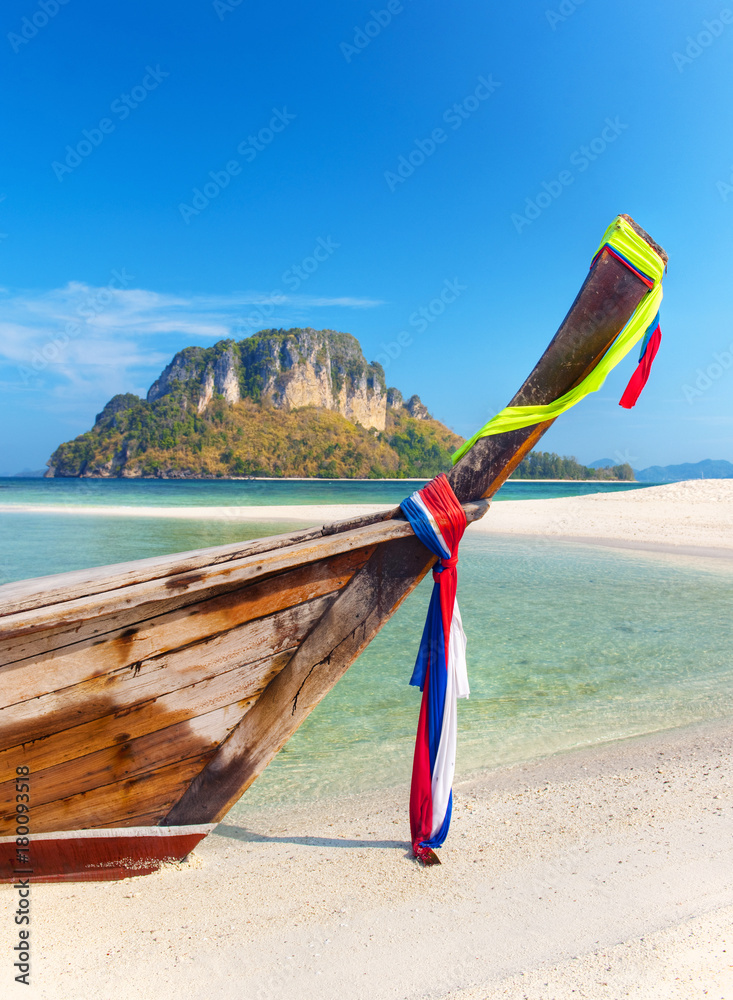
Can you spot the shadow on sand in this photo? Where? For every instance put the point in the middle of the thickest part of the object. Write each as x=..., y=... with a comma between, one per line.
x=248, y=836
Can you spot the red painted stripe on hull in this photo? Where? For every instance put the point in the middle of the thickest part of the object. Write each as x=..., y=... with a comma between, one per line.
x=99, y=855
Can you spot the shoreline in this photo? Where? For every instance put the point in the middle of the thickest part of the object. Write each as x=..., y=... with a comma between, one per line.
x=303, y=479
x=639, y=546
x=604, y=871
x=692, y=518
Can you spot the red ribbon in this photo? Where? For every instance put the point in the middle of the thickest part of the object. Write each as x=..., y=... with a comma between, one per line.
x=639, y=379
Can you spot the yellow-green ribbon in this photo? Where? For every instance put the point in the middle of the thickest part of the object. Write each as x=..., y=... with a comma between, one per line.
x=621, y=237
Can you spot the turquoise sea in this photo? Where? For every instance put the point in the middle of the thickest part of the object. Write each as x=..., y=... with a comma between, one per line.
x=34, y=542
x=569, y=645
x=258, y=492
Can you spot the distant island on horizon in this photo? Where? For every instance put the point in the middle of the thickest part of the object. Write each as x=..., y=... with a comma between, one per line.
x=290, y=404
x=281, y=403
x=708, y=468
x=658, y=474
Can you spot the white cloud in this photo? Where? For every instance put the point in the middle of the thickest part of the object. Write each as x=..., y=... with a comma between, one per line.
x=83, y=343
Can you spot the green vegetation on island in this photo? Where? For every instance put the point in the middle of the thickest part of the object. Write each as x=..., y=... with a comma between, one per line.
x=134, y=438
x=281, y=403
x=548, y=465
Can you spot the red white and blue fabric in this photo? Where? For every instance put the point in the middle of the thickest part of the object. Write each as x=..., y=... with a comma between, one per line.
x=438, y=521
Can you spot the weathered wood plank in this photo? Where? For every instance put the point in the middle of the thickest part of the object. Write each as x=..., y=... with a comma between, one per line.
x=206, y=581
x=362, y=608
x=127, y=758
x=23, y=595
x=153, y=677
x=117, y=804
x=607, y=299
x=144, y=819
x=71, y=663
x=69, y=605
x=184, y=704
x=107, y=627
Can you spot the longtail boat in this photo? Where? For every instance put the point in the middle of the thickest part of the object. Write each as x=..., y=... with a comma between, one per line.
x=139, y=701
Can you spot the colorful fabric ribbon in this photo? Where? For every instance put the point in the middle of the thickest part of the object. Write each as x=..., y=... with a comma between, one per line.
x=649, y=348
x=624, y=243
x=440, y=669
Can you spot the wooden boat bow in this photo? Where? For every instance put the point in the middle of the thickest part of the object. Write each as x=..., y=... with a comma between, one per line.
x=145, y=698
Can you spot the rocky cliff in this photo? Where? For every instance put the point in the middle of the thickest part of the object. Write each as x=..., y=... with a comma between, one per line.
x=297, y=402
x=287, y=369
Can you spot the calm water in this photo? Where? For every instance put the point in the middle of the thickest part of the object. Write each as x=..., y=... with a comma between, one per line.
x=254, y=492
x=568, y=645
x=35, y=544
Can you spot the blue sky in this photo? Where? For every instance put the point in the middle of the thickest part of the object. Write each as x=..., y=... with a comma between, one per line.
x=291, y=122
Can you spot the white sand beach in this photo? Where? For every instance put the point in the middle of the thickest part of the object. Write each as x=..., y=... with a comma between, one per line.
x=603, y=873
x=606, y=872
x=693, y=517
